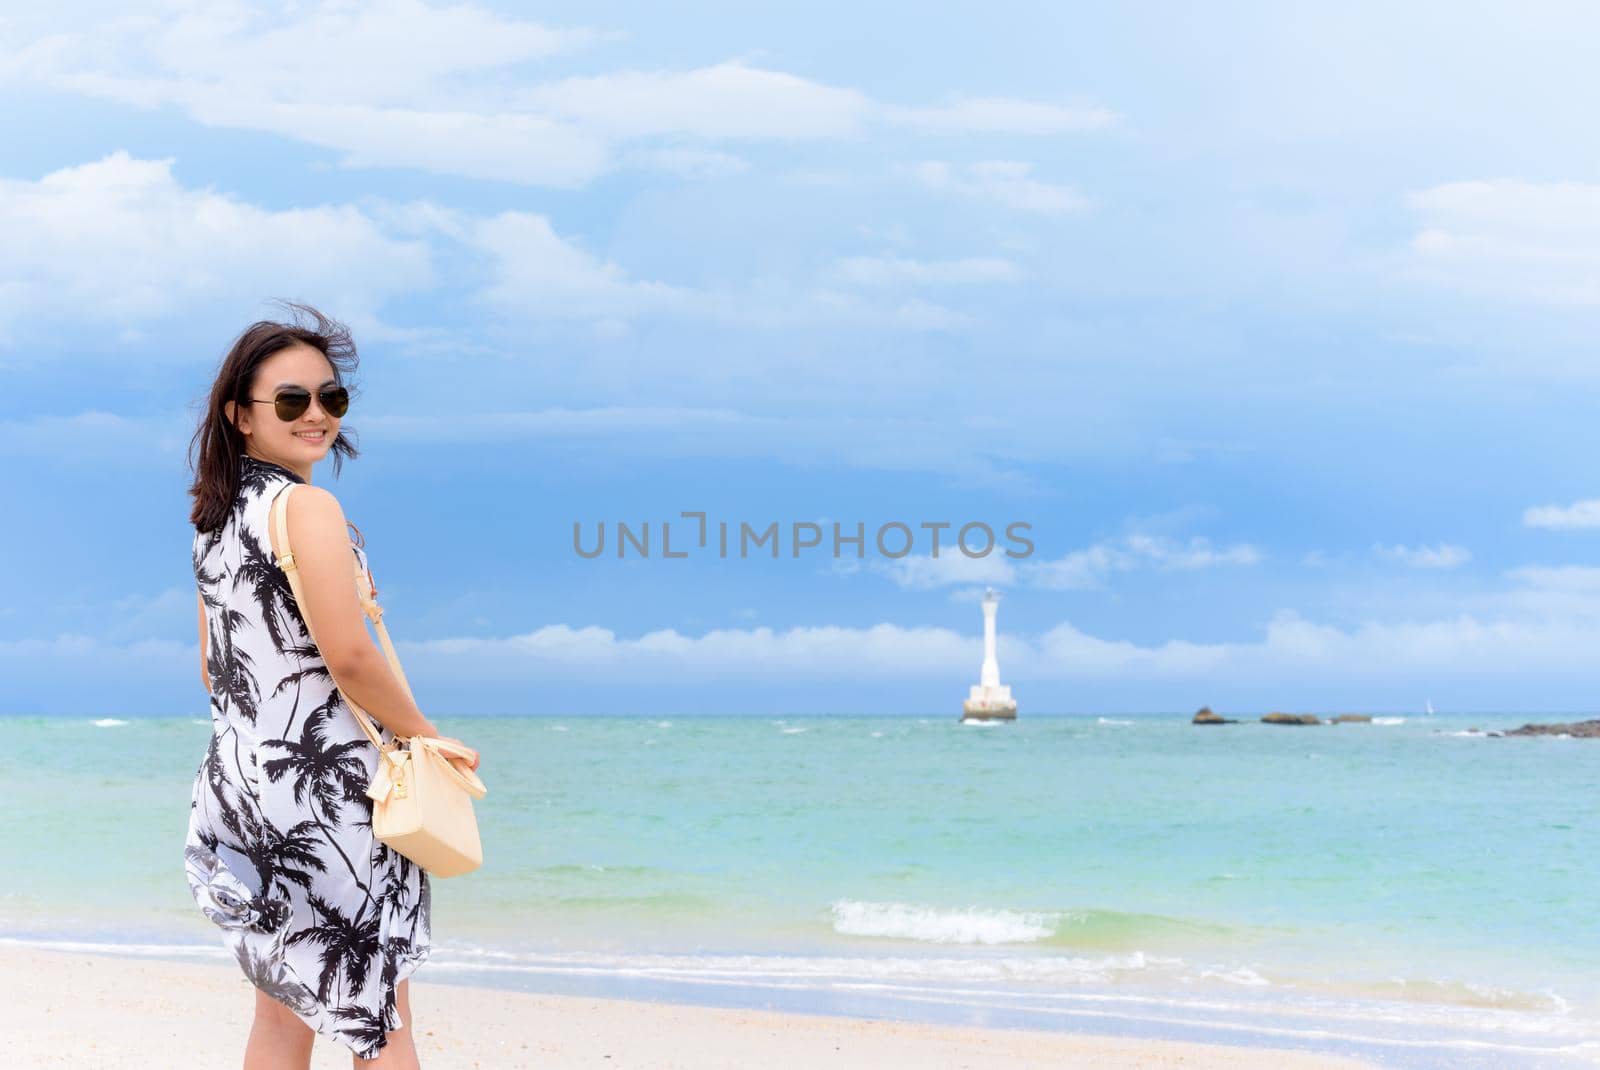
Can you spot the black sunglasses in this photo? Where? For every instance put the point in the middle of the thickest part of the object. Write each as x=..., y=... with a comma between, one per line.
x=292, y=402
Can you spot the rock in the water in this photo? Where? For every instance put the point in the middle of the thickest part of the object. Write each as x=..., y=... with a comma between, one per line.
x=1291, y=718
x=1577, y=729
x=1351, y=718
x=1205, y=716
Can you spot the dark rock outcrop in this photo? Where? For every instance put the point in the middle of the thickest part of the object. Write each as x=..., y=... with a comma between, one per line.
x=1577, y=729
x=1351, y=718
x=1204, y=716
x=1291, y=718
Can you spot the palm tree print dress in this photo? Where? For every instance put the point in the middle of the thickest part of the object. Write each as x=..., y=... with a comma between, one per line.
x=280, y=852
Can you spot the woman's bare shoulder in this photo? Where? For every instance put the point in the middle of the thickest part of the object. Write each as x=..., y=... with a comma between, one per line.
x=311, y=512
x=312, y=499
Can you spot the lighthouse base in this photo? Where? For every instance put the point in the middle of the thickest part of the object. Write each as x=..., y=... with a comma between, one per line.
x=989, y=704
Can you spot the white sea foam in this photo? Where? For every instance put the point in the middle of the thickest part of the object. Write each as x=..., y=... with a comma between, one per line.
x=981, y=722
x=663, y=724
x=1242, y=975
x=558, y=728
x=1112, y=720
x=877, y=735
x=1091, y=987
x=886, y=971
x=790, y=731
x=196, y=720
x=107, y=947
x=1053, y=987
x=1388, y=720
x=108, y=722
x=941, y=925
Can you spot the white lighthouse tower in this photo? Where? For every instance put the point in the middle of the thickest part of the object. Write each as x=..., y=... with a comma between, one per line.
x=989, y=700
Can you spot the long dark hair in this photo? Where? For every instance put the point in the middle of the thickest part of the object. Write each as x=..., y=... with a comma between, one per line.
x=220, y=444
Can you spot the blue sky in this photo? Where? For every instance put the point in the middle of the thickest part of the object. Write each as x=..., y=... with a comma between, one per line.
x=1278, y=328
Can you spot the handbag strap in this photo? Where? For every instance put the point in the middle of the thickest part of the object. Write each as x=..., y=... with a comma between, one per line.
x=467, y=778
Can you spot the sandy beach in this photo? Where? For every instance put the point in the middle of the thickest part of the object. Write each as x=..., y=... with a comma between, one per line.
x=60, y=1008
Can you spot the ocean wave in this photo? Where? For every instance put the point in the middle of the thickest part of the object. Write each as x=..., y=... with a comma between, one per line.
x=1134, y=986
x=1107, y=930
x=107, y=722
x=832, y=971
x=1038, y=990
x=975, y=925
x=111, y=947
x=1112, y=720
x=981, y=722
x=1239, y=975
x=1465, y=994
x=1388, y=720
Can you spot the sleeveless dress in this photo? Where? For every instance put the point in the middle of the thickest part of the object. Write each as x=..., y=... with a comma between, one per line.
x=280, y=852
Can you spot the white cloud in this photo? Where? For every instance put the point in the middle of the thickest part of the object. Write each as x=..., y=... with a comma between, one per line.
x=912, y=313
x=139, y=616
x=1584, y=514
x=386, y=84
x=98, y=438
x=924, y=572
x=905, y=271
x=1572, y=578
x=1302, y=652
x=1008, y=183
x=726, y=101
x=441, y=89
x=119, y=240
x=1003, y=115
x=691, y=162
x=1080, y=569
x=541, y=275
x=1444, y=555
x=496, y=145
x=1550, y=592
x=801, y=653
x=1196, y=553
x=383, y=51
x=1088, y=568
x=1533, y=241
x=1292, y=652
x=1493, y=648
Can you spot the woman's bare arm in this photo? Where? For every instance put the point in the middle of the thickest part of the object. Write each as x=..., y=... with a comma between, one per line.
x=324, y=558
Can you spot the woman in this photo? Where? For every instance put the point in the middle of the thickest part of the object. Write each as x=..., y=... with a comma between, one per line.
x=327, y=922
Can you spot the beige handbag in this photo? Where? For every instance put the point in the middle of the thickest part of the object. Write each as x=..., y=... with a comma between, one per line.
x=421, y=800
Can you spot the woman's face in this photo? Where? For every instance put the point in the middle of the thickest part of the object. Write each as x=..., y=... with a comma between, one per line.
x=299, y=443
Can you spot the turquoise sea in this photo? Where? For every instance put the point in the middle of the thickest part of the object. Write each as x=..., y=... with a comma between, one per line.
x=1412, y=890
